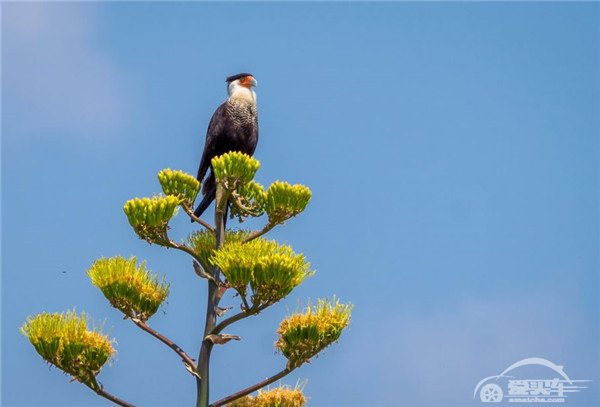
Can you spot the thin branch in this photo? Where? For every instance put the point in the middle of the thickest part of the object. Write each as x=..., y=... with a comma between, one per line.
x=252, y=388
x=113, y=398
x=196, y=219
x=199, y=270
x=187, y=249
x=184, y=356
x=237, y=317
x=259, y=233
x=184, y=248
x=244, y=301
x=99, y=390
x=237, y=201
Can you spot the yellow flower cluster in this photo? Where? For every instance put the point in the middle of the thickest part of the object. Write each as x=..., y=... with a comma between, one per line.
x=179, y=184
x=303, y=335
x=271, y=270
x=234, y=169
x=204, y=243
x=149, y=216
x=65, y=341
x=284, y=201
x=129, y=287
x=282, y=396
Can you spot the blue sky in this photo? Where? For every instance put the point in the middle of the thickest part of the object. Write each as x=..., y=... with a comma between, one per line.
x=452, y=150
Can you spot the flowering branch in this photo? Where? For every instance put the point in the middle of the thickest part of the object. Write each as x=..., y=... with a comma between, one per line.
x=261, y=271
x=252, y=388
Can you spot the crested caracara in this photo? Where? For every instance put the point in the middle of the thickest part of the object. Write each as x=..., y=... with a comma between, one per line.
x=233, y=127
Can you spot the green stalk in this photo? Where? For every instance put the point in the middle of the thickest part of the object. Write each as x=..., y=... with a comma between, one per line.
x=202, y=383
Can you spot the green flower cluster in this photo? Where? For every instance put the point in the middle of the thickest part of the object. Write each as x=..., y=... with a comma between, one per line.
x=234, y=169
x=249, y=200
x=149, y=216
x=284, y=201
x=271, y=270
x=179, y=184
x=129, y=287
x=303, y=335
x=282, y=396
x=65, y=341
x=204, y=242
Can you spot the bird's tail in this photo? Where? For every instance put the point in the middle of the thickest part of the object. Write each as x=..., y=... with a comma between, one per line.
x=210, y=184
x=208, y=191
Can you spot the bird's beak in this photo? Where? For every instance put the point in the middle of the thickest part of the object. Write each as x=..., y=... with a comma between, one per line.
x=253, y=82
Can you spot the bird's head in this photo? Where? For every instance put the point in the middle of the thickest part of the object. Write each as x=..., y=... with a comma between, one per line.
x=241, y=85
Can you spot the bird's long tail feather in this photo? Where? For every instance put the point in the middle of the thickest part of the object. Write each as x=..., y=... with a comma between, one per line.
x=205, y=203
x=209, y=190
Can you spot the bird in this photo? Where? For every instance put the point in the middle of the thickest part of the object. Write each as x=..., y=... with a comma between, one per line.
x=233, y=127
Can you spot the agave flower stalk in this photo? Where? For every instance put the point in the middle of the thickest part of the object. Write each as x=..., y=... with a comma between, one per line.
x=262, y=272
x=213, y=298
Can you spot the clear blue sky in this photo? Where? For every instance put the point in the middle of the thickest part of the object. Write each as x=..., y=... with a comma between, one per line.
x=452, y=150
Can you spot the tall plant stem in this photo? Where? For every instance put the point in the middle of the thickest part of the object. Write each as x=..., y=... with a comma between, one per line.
x=202, y=382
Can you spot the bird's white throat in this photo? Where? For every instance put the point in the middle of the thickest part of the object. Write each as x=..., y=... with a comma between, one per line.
x=241, y=93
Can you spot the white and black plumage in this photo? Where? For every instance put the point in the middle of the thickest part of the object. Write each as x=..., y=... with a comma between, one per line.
x=233, y=127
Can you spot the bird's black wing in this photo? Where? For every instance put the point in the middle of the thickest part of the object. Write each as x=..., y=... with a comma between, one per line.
x=217, y=125
x=253, y=139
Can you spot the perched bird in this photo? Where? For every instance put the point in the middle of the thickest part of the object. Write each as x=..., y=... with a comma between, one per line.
x=233, y=127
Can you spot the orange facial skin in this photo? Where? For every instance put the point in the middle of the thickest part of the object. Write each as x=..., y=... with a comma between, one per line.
x=247, y=81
